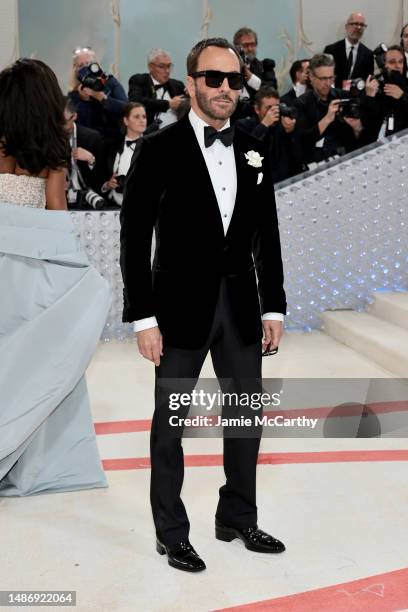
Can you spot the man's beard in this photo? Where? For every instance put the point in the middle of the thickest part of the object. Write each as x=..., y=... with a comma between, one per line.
x=204, y=104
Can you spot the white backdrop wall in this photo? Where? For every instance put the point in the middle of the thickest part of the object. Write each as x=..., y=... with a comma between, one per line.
x=9, y=47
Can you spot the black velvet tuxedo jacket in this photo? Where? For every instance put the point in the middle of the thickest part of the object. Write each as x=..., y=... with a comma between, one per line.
x=362, y=68
x=141, y=89
x=169, y=188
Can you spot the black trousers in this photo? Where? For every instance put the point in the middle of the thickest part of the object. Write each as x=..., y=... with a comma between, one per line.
x=237, y=498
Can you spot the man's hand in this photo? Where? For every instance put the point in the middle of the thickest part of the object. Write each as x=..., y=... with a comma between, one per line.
x=112, y=183
x=96, y=95
x=355, y=124
x=150, y=343
x=247, y=73
x=333, y=110
x=371, y=87
x=271, y=117
x=288, y=124
x=81, y=154
x=393, y=91
x=84, y=93
x=175, y=102
x=273, y=331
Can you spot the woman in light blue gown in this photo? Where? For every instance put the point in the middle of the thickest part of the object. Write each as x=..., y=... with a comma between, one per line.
x=53, y=304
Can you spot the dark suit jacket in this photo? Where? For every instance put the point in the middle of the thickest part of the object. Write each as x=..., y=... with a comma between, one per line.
x=92, y=141
x=362, y=68
x=339, y=137
x=284, y=154
x=265, y=70
x=289, y=97
x=169, y=188
x=141, y=89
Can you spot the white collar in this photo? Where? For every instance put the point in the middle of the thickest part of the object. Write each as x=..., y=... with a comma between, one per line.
x=198, y=126
x=156, y=82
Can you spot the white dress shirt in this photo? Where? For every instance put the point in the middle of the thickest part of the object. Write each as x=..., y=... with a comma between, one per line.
x=169, y=116
x=121, y=168
x=220, y=162
x=355, y=51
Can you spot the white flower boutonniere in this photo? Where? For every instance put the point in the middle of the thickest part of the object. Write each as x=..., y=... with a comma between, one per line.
x=254, y=159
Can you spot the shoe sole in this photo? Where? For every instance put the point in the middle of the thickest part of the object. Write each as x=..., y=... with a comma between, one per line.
x=226, y=534
x=162, y=551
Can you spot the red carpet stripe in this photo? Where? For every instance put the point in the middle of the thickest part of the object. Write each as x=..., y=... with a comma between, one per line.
x=142, y=463
x=381, y=593
x=117, y=427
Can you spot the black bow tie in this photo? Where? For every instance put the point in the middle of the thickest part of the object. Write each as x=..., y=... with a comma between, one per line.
x=211, y=135
x=160, y=86
x=129, y=143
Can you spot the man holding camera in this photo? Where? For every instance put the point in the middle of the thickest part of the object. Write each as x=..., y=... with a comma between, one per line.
x=386, y=100
x=323, y=130
x=86, y=171
x=99, y=98
x=255, y=71
x=274, y=124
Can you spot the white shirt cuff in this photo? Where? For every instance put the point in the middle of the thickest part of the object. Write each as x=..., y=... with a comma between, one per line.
x=143, y=324
x=273, y=316
x=254, y=82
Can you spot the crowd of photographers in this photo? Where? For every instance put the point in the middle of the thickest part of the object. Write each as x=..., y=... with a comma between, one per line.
x=340, y=100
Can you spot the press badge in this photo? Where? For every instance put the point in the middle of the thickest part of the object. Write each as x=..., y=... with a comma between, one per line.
x=391, y=123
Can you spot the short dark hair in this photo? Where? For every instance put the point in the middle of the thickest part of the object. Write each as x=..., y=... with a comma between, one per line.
x=32, y=123
x=296, y=66
x=396, y=48
x=222, y=43
x=266, y=91
x=70, y=105
x=130, y=106
x=244, y=32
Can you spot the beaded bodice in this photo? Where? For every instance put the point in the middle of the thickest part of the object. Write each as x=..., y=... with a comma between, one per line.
x=22, y=190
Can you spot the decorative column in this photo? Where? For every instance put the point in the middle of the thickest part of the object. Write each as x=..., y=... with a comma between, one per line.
x=115, y=11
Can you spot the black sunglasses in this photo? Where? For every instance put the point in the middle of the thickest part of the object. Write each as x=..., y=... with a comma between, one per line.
x=215, y=78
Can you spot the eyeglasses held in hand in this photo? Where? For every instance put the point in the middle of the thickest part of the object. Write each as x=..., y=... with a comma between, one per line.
x=270, y=351
x=215, y=78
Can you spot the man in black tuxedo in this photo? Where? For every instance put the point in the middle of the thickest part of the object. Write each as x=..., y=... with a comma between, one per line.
x=353, y=59
x=201, y=187
x=160, y=95
x=299, y=74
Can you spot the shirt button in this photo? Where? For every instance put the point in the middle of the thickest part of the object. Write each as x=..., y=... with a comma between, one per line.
x=223, y=188
x=225, y=215
x=220, y=163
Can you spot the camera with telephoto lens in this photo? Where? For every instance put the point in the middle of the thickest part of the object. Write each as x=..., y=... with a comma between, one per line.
x=287, y=111
x=241, y=53
x=350, y=107
x=92, y=198
x=390, y=77
x=121, y=183
x=92, y=76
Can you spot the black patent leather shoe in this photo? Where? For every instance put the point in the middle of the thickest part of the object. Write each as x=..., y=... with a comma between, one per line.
x=254, y=539
x=182, y=556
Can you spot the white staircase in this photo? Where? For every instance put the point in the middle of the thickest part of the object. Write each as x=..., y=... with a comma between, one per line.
x=381, y=334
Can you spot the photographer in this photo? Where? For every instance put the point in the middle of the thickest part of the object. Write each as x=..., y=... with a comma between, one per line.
x=99, y=98
x=256, y=72
x=120, y=154
x=324, y=132
x=274, y=124
x=299, y=74
x=386, y=99
x=87, y=169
